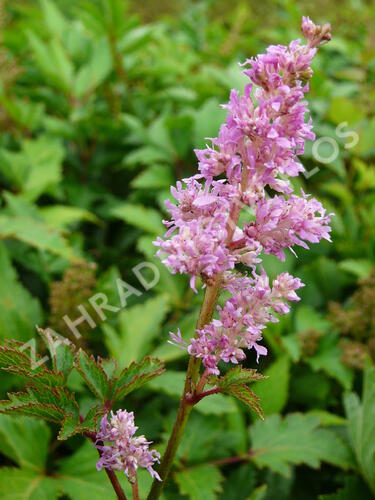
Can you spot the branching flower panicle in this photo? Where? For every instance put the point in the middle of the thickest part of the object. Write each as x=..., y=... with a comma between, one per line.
x=256, y=150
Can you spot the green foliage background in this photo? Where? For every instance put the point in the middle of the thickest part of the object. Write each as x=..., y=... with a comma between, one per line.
x=101, y=105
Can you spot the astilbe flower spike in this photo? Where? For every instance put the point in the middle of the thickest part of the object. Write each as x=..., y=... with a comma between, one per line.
x=120, y=450
x=256, y=150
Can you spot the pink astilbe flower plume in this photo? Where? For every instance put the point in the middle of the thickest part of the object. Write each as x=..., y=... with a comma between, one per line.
x=120, y=450
x=256, y=150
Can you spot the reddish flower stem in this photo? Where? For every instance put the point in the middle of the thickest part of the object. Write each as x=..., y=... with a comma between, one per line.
x=135, y=490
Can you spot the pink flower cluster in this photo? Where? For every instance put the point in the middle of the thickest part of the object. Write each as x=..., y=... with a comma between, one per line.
x=256, y=150
x=123, y=450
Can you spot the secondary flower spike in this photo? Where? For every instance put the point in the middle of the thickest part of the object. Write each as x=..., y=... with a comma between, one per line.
x=120, y=450
x=246, y=168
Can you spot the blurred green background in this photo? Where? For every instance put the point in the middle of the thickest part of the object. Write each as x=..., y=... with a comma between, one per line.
x=101, y=105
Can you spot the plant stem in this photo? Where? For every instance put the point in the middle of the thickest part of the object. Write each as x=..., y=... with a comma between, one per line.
x=110, y=473
x=116, y=485
x=185, y=407
x=135, y=490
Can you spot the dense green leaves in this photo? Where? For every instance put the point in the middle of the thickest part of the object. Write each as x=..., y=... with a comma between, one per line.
x=46, y=398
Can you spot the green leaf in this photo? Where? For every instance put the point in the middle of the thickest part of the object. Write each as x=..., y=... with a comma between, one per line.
x=154, y=177
x=48, y=412
x=328, y=359
x=52, y=404
x=147, y=219
x=61, y=352
x=354, y=488
x=280, y=443
x=79, y=479
x=53, y=18
x=138, y=326
x=14, y=357
x=94, y=375
x=237, y=376
x=20, y=484
x=307, y=318
x=207, y=122
x=36, y=234
x=247, y=396
x=343, y=109
x=135, y=375
x=235, y=383
x=328, y=419
x=135, y=38
x=92, y=74
x=52, y=60
x=273, y=392
x=25, y=441
x=259, y=493
x=361, y=268
x=361, y=425
x=216, y=404
x=19, y=310
x=199, y=483
x=62, y=216
x=241, y=479
x=36, y=168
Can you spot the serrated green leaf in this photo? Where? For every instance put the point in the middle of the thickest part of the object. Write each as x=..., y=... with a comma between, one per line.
x=73, y=425
x=280, y=443
x=237, y=375
x=52, y=404
x=135, y=375
x=47, y=412
x=199, y=483
x=93, y=374
x=247, y=396
x=61, y=352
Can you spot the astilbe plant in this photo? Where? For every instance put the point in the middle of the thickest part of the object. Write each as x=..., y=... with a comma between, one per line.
x=244, y=171
x=256, y=150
